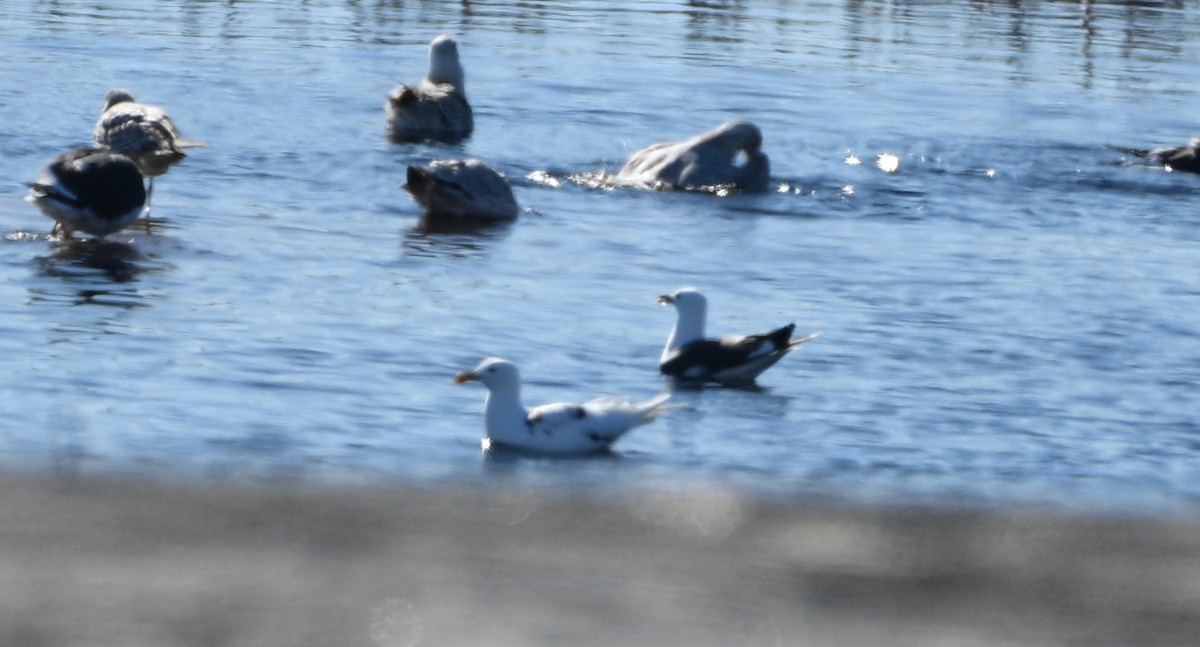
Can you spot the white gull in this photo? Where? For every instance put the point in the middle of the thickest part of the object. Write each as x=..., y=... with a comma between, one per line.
x=558, y=428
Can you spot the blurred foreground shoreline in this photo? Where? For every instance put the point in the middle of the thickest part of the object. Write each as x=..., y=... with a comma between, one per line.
x=124, y=562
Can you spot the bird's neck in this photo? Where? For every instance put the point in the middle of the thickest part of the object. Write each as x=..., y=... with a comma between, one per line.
x=447, y=72
x=688, y=328
x=503, y=411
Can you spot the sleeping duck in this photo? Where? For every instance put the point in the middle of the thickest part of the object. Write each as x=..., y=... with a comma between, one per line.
x=461, y=192
x=143, y=133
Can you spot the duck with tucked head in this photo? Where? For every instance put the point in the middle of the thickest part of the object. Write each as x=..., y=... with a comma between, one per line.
x=436, y=107
x=95, y=191
x=559, y=428
x=729, y=156
x=145, y=134
x=461, y=193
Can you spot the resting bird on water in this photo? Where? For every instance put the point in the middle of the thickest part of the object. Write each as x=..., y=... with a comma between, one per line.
x=143, y=133
x=733, y=360
x=559, y=428
x=461, y=192
x=436, y=107
x=95, y=191
x=704, y=162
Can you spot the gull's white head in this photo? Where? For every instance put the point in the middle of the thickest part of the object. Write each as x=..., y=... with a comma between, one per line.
x=443, y=63
x=688, y=301
x=493, y=372
x=692, y=308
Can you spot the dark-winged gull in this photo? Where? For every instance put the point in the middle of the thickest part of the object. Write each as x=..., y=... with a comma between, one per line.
x=144, y=133
x=559, y=428
x=436, y=107
x=1178, y=158
x=731, y=360
x=727, y=156
x=461, y=191
x=95, y=191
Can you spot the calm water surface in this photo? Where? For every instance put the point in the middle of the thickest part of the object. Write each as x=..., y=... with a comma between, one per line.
x=1010, y=316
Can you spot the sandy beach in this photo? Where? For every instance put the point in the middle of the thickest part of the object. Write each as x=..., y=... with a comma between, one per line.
x=110, y=562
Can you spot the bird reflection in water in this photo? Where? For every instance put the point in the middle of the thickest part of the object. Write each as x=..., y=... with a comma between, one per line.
x=97, y=269
x=432, y=237
x=71, y=258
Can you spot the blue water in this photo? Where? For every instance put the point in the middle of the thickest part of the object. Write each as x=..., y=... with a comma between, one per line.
x=1010, y=317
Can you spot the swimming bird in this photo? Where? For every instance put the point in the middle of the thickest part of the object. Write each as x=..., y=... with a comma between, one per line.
x=436, y=107
x=559, y=428
x=144, y=133
x=731, y=360
x=727, y=156
x=95, y=191
x=1179, y=158
x=461, y=192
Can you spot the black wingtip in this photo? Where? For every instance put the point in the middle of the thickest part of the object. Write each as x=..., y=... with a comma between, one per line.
x=781, y=336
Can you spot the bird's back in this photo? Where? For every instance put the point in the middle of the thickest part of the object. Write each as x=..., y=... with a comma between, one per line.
x=95, y=191
x=436, y=111
x=462, y=189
